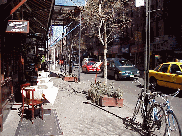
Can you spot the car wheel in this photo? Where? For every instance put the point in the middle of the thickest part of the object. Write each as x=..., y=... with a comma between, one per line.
x=153, y=84
x=116, y=76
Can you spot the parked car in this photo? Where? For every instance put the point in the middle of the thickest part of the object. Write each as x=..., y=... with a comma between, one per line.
x=87, y=60
x=120, y=68
x=98, y=65
x=88, y=67
x=167, y=75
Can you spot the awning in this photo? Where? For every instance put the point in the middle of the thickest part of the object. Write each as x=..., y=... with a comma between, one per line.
x=37, y=12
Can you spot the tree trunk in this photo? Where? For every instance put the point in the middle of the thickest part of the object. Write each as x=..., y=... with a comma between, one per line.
x=105, y=54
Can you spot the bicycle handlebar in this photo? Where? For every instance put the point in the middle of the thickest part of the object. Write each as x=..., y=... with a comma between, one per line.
x=175, y=94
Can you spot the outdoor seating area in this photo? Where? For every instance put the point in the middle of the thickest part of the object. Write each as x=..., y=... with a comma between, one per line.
x=34, y=97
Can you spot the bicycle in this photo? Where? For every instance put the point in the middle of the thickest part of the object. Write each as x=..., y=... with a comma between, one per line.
x=153, y=114
x=173, y=124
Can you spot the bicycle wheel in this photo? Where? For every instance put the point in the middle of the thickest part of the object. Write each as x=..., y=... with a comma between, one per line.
x=157, y=122
x=173, y=125
x=137, y=108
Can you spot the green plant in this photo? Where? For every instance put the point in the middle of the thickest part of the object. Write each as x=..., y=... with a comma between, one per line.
x=98, y=89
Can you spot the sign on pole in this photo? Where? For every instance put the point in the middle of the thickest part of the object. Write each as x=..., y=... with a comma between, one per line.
x=139, y=3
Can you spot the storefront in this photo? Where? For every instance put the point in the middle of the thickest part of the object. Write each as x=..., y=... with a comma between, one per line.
x=164, y=49
x=137, y=55
x=14, y=47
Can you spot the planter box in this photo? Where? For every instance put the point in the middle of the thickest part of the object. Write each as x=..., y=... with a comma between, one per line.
x=70, y=79
x=110, y=101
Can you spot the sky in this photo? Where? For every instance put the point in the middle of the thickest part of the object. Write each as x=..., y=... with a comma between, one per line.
x=70, y=2
x=58, y=30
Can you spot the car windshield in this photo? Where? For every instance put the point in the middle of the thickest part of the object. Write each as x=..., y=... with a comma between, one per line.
x=90, y=63
x=123, y=63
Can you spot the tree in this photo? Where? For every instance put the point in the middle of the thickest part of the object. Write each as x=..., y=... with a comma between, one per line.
x=109, y=17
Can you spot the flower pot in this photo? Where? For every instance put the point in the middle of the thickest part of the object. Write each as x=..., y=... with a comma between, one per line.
x=110, y=101
x=67, y=78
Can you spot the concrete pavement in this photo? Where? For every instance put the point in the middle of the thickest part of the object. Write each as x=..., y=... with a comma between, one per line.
x=78, y=116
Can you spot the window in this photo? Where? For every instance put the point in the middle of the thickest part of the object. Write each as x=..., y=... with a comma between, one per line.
x=124, y=63
x=164, y=68
x=174, y=68
x=157, y=68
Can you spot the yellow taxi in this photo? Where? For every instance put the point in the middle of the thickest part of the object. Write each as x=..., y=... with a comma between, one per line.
x=167, y=75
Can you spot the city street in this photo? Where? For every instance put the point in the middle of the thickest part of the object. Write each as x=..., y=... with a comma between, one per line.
x=131, y=90
x=129, y=36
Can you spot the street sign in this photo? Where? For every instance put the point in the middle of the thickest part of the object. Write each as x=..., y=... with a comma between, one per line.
x=18, y=26
x=139, y=3
x=157, y=56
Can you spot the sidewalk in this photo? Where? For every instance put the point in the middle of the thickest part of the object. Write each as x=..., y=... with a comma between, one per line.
x=76, y=116
x=79, y=117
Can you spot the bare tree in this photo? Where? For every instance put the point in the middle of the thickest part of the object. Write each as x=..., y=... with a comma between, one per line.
x=107, y=16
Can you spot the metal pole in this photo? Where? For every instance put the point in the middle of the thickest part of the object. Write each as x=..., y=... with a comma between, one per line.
x=146, y=73
x=79, y=50
x=148, y=49
x=54, y=59
x=49, y=51
x=105, y=53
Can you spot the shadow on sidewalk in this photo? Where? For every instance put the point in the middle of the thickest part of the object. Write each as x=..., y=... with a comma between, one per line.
x=49, y=126
x=137, y=127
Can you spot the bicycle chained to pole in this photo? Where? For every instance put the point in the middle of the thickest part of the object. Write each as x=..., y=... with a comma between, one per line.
x=173, y=128
x=158, y=118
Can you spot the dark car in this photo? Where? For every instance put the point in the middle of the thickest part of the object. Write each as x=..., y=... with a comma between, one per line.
x=120, y=68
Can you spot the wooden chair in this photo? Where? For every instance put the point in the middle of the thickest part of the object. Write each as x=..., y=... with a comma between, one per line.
x=26, y=91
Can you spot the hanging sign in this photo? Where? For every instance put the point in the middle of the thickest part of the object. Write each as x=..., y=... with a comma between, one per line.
x=18, y=26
